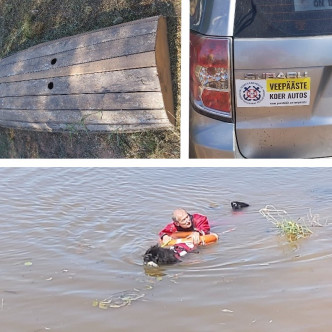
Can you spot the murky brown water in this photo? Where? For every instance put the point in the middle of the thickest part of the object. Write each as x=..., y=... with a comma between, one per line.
x=69, y=237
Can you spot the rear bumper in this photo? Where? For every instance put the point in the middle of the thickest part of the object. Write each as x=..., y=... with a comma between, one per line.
x=210, y=138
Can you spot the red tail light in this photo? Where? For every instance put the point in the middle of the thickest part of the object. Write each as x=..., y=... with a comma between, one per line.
x=210, y=74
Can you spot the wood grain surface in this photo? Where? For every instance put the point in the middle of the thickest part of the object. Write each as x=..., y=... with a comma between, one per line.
x=116, y=78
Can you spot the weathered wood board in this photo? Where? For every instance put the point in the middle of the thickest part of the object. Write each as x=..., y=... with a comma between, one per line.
x=113, y=79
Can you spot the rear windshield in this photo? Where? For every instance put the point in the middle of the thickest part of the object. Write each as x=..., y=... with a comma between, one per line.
x=282, y=18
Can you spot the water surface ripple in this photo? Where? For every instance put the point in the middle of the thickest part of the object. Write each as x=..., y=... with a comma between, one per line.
x=69, y=236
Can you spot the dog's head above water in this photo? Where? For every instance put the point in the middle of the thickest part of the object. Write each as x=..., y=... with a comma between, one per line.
x=156, y=256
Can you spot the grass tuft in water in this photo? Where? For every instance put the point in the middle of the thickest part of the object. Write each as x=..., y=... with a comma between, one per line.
x=293, y=230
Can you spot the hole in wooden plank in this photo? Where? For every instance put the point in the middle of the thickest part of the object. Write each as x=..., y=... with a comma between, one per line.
x=50, y=85
x=53, y=61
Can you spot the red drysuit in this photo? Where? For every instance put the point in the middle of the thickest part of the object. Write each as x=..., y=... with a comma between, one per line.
x=199, y=223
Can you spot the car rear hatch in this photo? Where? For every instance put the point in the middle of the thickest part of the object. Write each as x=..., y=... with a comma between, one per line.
x=283, y=78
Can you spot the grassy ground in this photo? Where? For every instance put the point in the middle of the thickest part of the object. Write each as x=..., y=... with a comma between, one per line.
x=24, y=23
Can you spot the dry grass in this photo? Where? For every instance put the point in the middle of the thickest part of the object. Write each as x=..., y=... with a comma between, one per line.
x=24, y=23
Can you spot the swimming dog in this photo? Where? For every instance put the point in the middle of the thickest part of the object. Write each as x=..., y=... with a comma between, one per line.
x=238, y=205
x=157, y=255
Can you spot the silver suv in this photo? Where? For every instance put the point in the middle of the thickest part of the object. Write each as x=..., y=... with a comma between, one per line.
x=260, y=78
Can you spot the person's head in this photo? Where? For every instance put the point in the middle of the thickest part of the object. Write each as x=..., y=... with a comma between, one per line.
x=181, y=218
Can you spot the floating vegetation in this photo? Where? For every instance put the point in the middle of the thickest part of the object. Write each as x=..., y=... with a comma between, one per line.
x=214, y=205
x=119, y=300
x=293, y=230
x=125, y=298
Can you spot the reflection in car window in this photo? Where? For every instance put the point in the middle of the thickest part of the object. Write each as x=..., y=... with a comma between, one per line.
x=282, y=18
x=195, y=12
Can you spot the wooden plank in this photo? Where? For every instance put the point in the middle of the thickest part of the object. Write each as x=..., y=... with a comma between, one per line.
x=111, y=79
x=109, y=101
x=128, y=128
x=163, y=67
x=125, y=30
x=133, y=80
x=85, y=117
x=97, y=52
x=140, y=60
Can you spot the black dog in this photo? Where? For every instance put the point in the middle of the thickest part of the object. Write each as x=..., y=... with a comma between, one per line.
x=157, y=255
x=238, y=205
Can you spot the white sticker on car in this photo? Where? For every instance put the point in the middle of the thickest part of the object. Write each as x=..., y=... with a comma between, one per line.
x=273, y=92
x=306, y=5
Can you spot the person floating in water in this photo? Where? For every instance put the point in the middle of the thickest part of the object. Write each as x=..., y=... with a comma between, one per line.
x=185, y=222
x=197, y=224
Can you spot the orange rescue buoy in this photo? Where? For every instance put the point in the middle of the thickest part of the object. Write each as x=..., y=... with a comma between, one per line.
x=184, y=237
